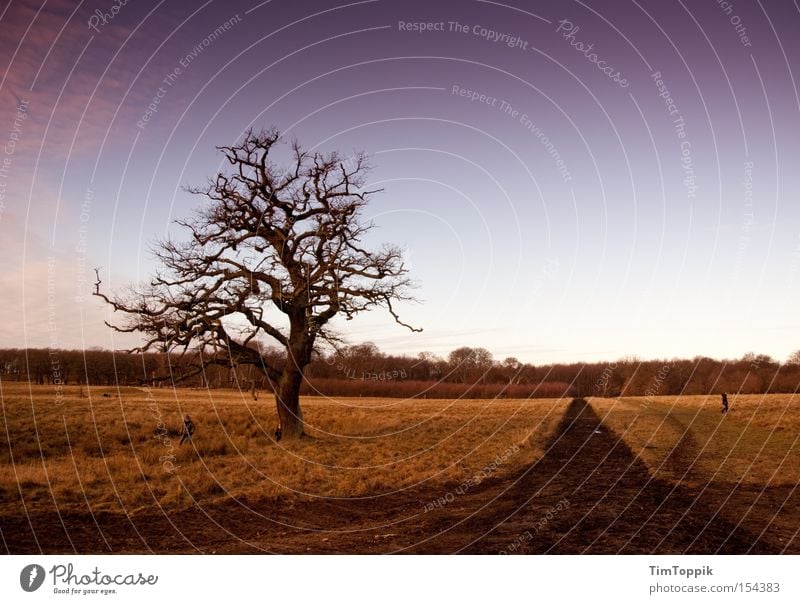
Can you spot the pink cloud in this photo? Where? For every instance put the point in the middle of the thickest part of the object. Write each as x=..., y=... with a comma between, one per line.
x=73, y=79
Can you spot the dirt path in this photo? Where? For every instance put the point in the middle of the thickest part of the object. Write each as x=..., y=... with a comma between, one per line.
x=588, y=494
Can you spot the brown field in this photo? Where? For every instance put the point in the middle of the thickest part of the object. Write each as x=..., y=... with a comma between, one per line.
x=688, y=439
x=745, y=462
x=100, y=470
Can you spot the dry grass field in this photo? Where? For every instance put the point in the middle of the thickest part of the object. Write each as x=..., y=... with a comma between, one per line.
x=120, y=452
x=743, y=464
x=100, y=470
x=687, y=438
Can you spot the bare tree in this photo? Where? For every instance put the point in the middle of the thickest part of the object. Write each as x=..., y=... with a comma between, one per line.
x=470, y=364
x=276, y=254
x=512, y=368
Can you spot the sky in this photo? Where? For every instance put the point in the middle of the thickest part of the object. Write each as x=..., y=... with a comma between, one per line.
x=569, y=181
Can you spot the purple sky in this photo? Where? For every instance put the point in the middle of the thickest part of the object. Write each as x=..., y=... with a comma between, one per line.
x=570, y=181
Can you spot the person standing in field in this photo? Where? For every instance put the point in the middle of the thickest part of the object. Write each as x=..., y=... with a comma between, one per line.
x=188, y=429
x=724, y=402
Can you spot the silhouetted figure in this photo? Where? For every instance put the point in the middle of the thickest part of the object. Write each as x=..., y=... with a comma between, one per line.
x=188, y=429
x=278, y=432
x=724, y=402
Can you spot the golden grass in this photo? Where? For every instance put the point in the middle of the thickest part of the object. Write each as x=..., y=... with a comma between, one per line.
x=120, y=451
x=688, y=438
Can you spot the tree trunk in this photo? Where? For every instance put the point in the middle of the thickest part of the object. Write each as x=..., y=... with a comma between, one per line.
x=287, y=398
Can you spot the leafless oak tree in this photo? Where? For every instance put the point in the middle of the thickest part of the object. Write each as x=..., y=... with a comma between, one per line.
x=275, y=255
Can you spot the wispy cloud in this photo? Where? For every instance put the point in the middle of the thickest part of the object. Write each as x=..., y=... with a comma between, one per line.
x=74, y=80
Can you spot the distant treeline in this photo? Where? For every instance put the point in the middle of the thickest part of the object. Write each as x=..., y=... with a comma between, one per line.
x=363, y=370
